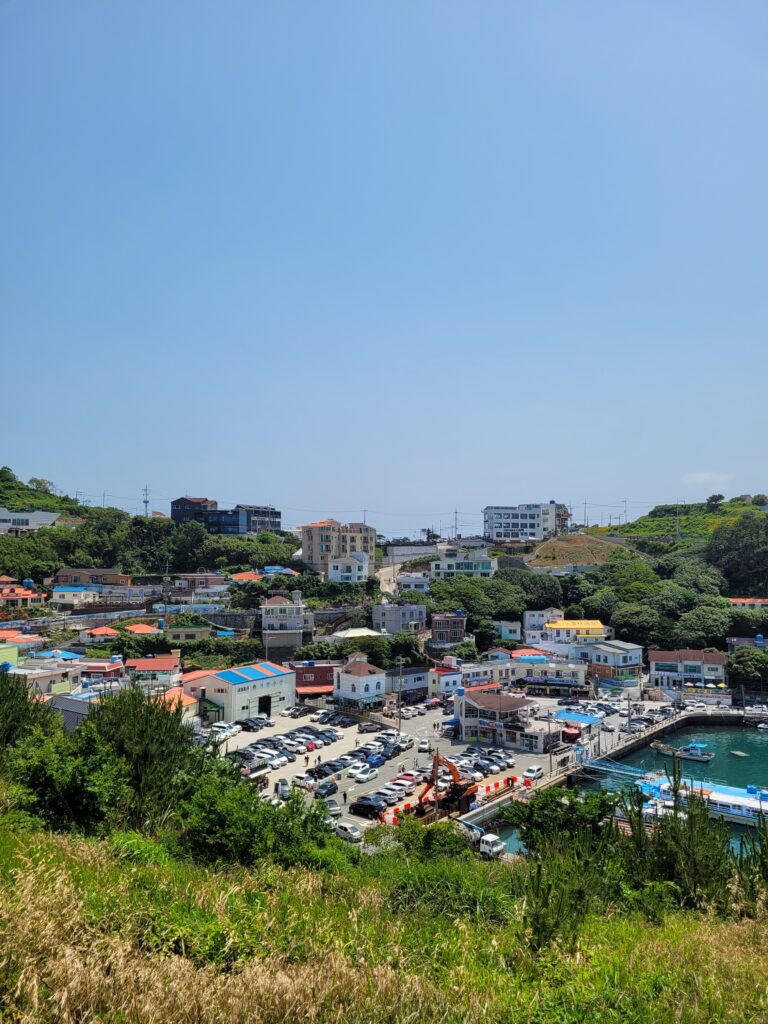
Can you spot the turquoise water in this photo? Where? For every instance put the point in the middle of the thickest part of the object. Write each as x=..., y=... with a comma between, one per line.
x=725, y=766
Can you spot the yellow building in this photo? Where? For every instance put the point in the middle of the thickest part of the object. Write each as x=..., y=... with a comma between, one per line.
x=571, y=631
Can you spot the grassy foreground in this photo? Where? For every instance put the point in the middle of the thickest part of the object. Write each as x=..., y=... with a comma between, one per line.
x=117, y=932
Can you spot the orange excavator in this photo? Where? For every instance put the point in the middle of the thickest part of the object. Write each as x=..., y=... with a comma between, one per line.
x=457, y=797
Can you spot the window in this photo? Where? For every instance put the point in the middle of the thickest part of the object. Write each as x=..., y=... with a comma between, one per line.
x=353, y=688
x=366, y=688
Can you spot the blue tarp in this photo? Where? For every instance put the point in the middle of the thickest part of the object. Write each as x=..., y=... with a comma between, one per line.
x=63, y=655
x=577, y=717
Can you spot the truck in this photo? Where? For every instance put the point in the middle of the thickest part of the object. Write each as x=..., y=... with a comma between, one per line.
x=491, y=846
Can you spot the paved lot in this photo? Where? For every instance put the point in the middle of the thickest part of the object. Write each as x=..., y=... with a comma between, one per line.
x=421, y=727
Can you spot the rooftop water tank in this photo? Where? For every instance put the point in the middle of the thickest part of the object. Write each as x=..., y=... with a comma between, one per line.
x=6, y=666
x=28, y=583
x=161, y=623
x=115, y=658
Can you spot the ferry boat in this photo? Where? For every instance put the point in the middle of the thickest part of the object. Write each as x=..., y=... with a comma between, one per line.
x=691, y=752
x=736, y=804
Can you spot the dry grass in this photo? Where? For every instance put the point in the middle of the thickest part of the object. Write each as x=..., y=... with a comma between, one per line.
x=58, y=968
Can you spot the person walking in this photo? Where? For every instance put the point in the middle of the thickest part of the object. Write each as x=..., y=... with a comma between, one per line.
x=306, y=760
x=344, y=797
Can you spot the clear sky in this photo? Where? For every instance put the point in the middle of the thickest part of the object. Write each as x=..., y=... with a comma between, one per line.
x=407, y=256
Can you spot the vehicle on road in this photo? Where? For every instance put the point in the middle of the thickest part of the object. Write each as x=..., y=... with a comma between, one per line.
x=368, y=807
x=534, y=772
x=303, y=781
x=424, y=747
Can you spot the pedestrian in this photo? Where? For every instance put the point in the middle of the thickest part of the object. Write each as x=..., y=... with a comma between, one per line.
x=344, y=796
x=306, y=760
x=357, y=743
x=415, y=762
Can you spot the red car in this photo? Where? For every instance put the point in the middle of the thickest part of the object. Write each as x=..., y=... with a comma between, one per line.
x=309, y=744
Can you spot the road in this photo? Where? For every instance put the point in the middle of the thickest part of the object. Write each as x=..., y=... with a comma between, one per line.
x=386, y=576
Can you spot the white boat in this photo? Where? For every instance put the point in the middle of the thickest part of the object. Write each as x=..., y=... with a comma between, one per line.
x=762, y=726
x=691, y=752
x=739, y=805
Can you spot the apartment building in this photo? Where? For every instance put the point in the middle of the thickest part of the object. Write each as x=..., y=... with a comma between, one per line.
x=399, y=618
x=324, y=541
x=457, y=562
x=238, y=520
x=521, y=522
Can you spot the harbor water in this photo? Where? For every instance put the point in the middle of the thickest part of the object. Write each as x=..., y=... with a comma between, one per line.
x=727, y=767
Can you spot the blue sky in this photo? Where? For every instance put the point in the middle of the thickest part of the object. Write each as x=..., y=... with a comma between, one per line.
x=412, y=257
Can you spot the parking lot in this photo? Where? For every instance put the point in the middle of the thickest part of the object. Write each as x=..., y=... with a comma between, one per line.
x=423, y=729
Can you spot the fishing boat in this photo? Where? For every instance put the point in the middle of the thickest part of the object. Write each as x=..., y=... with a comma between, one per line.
x=739, y=753
x=691, y=752
x=736, y=804
x=762, y=726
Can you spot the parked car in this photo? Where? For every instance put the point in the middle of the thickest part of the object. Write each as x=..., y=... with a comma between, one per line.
x=389, y=794
x=283, y=788
x=334, y=808
x=350, y=832
x=326, y=788
x=605, y=727
x=376, y=760
x=424, y=746
x=365, y=774
x=406, y=785
x=262, y=717
x=368, y=807
x=368, y=726
x=534, y=772
x=287, y=712
x=303, y=780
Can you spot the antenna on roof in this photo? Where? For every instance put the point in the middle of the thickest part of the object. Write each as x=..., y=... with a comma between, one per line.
x=145, y=492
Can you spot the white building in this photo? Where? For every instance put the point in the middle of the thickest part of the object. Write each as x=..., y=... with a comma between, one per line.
x=64, y=598
x=358, y=683
x=520, y=522
x=286, y=622
x=457, y=562
x=688, y=671
x=560, y=636
x=508, y=630
x=16, y=523
x=351, y=568
x=399, y=618
x=263, y=688
x=533, y=621
x=418, y=581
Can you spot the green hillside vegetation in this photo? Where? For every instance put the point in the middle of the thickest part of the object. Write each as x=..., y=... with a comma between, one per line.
x=38, y=494
x=141, y=881
x=685, y=521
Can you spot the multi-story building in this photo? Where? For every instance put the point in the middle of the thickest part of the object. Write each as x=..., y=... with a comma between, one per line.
x=328, y=539
x=314, y=678
x=496, y=718
x=508, y=630
x=161, y=672
x=540, y=677
x=351, y=568
x=199, y=587
x=451, y=673
x=521, y=522
x=399, y=618
x=457, y=562
x=560, y=635
x=14, y=524
x=534, y=620
x=359, y=684
x=232, y=693
x=238, y=520
x=67, y=598
x=286, y=622
x=449, y=628
x=408, y=685
x=687, y=670
x=611, y=659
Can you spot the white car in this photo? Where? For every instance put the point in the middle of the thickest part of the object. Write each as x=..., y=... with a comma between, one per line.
x=293, y=745
x=390, y=789
x=349, y=832
x=303, y=781
x=364, y=774
x=355, y=767
x=534, y=772
x=286, y=712
x=424, y=746
x=405, y=785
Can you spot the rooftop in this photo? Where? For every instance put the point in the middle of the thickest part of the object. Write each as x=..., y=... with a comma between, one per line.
x=153, y=664
x=497, y=701
x=574, y=624
x=361, y=668
x=142, y=629
x=250, y=673
x=688, y=654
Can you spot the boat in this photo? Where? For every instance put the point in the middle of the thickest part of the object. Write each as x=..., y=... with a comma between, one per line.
x=691, y=752
x=736, y=804
x=762, y=726
x=739, y=753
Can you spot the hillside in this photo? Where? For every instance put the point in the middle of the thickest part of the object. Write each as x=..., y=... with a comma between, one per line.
x=117, y=932
x=684, y=522
x=574, y=549
x=20, y=497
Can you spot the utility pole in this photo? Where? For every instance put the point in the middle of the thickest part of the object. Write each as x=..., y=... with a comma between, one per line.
x=585, y=513
x=625, y=511
x=455, y=524
x=145, y=492
x=365, y=513
x=400, y=662
x=103, y=498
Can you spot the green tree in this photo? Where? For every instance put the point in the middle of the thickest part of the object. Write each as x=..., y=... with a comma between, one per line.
x=20, y=715
x=748, y=665
x=636, y=623
x=540, y=589
x=714, y=501
x=557, y=813
x=601, y=605
x=704, y=626
x=37, y=483
x=740, y=551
